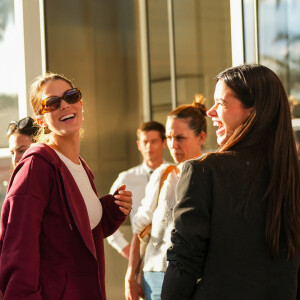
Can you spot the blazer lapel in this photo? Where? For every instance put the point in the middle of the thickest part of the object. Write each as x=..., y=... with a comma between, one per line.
x=78, y=208
x=70, y=191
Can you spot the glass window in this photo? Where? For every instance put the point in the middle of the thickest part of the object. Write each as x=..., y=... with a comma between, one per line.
x=160, y=81
x=202, y=41
x=279, y=41
x=190, y=28
x=273, y=36
x=9, y=68
x=8, y=86
x=249, y=31
x=279, y=48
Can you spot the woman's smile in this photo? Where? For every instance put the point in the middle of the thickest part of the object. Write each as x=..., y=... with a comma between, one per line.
x=228, y=112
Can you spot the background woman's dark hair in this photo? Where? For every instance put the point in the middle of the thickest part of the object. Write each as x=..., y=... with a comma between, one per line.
x=268, y=132
x=195, y=114
x=26, y=126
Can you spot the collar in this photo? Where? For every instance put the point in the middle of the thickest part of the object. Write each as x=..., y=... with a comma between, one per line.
x=147, y=168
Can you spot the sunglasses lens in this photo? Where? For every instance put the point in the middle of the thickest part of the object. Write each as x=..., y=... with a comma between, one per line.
x=53, y=103
x=26, y=122
x=73, y=96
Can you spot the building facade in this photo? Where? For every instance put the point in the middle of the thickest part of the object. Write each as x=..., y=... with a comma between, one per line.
x=134, y=61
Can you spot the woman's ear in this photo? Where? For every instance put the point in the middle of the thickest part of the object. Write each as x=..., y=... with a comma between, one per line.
x=201, y=137
x=82, y=109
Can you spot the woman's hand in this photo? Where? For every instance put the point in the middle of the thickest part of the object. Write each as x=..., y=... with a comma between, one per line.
x=124, y=199
x=133, y=290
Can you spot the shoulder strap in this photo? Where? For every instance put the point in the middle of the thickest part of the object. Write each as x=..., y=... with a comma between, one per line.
x=164, y=176
x=147, y=229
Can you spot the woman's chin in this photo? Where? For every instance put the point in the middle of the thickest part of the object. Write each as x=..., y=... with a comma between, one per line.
x=221, y=139
x=178, y=159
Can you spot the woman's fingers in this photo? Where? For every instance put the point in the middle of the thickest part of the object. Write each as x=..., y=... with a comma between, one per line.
x=124, y=199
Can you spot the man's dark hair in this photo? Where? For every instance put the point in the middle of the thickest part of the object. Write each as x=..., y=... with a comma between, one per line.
x=152, y=125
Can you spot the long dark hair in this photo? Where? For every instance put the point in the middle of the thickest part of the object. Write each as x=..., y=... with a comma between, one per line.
x=268, y=132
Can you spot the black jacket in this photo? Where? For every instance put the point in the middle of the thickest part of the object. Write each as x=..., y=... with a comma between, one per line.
x=219, y=236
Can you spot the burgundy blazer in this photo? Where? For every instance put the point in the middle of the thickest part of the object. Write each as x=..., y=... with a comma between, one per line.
x=47, y=248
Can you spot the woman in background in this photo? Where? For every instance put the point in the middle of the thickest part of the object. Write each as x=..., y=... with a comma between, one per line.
x=185, y=133
x=52, y=223
x=20, y=136
x=237, y=219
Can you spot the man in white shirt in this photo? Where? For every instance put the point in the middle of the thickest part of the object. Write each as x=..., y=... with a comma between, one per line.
x=151, y=142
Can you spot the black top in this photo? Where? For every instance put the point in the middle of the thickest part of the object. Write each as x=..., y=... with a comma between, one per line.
x=219, y=236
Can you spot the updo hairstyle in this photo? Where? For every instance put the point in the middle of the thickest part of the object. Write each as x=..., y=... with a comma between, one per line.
x=194, y=113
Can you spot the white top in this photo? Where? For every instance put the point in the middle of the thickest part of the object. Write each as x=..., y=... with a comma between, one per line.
x=92, y=203
x=136, y=180
x=161, y=217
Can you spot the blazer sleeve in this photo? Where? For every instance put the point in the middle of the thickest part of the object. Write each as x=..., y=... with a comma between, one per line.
x=112, y=216
x=117, y=239
x=21, y=220
x=190, y=237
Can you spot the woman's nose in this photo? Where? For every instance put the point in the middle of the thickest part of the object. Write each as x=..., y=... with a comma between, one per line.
x=63, y=104
x=173, y=143
x=211, y=112
x=15, y=159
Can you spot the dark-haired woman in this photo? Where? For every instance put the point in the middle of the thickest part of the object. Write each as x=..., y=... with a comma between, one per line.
x=237, y=221
x=21, y=134
x=52, y=222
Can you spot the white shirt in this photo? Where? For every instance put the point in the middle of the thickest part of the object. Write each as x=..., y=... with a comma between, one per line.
x=92, y=203
x=159, y=212
x=136, y=180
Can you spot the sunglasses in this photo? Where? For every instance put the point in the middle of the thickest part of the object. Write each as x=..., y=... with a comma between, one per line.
x=53, y=103
x=25, y=126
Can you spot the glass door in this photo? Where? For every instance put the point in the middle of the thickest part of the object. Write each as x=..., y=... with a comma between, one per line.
x=189, y=44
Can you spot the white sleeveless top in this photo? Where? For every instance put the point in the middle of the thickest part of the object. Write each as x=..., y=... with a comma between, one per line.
x=92, y=203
